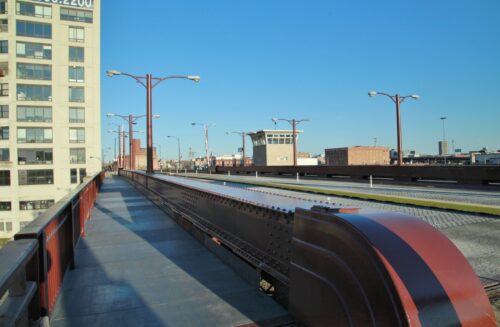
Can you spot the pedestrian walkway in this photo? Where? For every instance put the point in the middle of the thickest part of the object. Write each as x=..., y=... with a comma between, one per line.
x=137, y=267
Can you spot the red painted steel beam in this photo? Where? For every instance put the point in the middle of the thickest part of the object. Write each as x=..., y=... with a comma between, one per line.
x=380, y=268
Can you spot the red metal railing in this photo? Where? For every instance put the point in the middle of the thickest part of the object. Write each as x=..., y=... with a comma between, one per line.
x=58, y=230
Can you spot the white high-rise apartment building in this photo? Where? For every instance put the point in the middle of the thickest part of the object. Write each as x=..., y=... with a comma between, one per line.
x=49, y=104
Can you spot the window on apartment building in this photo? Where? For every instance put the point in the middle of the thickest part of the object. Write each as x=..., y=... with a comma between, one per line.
x=34, y=71
x=76, y=15
x=77, y=156
x=4, y=154
x=77, y=135
x=4, y=111
x=35, y=204
x=34, y=114
x=5, y=226
x=4, y=25
x=5, y=206
x=4, y=177
x=73, y=175
x=4, y=89
x=83, y=174
x=4, y=46
x=33, y=29
x=32, y=9
x=34, y=156
x=34, y=50
x=76, y=54
x=36, y=177
x=34, y=135
x=3, y=6
x=76, y=115
x=76, y=94
x=76, y=34
x=4, y=132
x=76, y=74
x=27, y=92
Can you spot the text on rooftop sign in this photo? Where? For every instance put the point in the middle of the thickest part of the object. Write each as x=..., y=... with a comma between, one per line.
x=88, y=4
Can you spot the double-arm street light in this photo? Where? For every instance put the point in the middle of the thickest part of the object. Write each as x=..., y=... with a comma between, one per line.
x=205, y=129
x=178, y=151
x=397, y=100
x=149, y=82
x=243, y=135
x=131, y=121
x=294, y=123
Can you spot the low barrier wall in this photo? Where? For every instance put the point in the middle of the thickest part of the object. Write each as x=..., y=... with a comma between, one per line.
x=467, y=175
x=333, y=266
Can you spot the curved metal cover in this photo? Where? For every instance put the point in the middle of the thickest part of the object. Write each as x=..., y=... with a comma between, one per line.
x=380, y=269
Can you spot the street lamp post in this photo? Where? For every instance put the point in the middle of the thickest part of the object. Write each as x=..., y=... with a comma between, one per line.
x=131, y=121
x=243, y=135
x=397, y=100
x=150, y=83
x=443, y=147
x=205, y=128
x=178, y=151
x=444, y=135
x=121, y=144
x=294, y=122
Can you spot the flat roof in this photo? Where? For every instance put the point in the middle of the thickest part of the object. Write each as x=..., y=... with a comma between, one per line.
x=275, y=131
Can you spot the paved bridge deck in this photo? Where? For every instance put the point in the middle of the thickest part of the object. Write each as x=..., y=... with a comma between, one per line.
x=137, y=267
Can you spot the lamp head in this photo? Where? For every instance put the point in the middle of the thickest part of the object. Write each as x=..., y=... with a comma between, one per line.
x=443, y=118
x=372, y=93
x=156, y=116
x=110, y=114
x=275, y=120
x=193, y=124
x=194, y=78
x=112, y=72
x=415, y=97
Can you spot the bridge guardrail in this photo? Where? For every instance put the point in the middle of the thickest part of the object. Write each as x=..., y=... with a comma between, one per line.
x=334, y=266
x=18, y=278
x=46, y=248
x=466, y=175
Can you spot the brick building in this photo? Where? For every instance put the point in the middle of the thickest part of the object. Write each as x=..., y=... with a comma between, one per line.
x=140, y=156
x=358, y=155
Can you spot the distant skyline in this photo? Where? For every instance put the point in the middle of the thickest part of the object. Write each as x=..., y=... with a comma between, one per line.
x=316, y=60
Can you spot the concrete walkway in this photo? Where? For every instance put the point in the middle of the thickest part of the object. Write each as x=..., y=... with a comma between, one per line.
x=137, y=267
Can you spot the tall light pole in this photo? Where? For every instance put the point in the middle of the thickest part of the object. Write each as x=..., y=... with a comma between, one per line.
x=121, y=144
x=243, y=135
x=131, y=121
x=397, y=100
x=444, y=148
x=205, y=129
x=444, y=135
x=294, y=122
x=178, y=151
x=149, y=84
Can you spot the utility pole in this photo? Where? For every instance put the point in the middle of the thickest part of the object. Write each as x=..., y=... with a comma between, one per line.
x=294, y=122
x=205, y=129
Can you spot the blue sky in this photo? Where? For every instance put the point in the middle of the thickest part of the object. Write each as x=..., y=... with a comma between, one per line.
x=307, y=59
